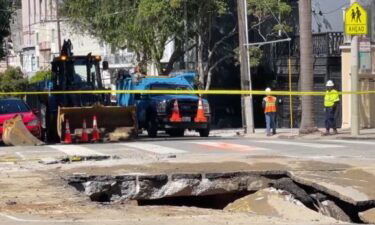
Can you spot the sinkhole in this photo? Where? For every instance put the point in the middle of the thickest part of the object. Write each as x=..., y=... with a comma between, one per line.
x=212, y=191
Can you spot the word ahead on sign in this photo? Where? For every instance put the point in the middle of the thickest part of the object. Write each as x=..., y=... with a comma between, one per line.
x=356, y=20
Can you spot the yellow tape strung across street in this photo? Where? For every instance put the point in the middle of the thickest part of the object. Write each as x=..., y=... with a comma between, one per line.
x=182, y=92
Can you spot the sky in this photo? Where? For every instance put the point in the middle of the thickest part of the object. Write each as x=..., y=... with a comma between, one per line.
x=331, y=17
x=328, y=15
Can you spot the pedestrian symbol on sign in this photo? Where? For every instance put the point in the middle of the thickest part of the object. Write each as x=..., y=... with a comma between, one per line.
x=358, y=13
x=356, y=20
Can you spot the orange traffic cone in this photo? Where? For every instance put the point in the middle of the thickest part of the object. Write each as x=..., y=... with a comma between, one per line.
x=84, y=136
x=67, y=135
x=200, y=118
x=176, y=117
x=95, y=130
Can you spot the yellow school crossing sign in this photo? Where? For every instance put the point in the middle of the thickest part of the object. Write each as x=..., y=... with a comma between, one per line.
x=356, y=20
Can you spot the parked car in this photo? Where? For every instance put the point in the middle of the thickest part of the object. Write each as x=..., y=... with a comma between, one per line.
x=11, y=107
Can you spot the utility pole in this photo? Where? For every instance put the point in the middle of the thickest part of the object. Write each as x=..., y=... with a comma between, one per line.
x=354, y=85
x=247, y=100
x=58, y=25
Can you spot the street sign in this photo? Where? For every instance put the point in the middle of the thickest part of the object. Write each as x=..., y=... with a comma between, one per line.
x=356, y=20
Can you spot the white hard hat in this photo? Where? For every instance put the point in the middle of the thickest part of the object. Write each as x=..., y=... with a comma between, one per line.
x=330, y=83
x=268, y=90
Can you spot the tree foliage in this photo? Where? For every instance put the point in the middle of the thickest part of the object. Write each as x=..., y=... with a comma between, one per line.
x=268, y=21
x=145, y=26
x=12, y=80
x=5, y=17
x=41, y=76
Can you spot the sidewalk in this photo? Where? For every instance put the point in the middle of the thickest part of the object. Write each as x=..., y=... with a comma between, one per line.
x=285, y=133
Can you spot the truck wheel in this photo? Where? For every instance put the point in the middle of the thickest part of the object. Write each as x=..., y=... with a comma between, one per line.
x=176, y=132
x=204, y=132
x=152, y=129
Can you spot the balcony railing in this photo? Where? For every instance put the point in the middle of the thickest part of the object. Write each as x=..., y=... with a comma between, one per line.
x=324, y=44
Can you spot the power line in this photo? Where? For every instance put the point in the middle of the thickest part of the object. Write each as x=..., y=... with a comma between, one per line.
x=277, y=20
x=335, y=10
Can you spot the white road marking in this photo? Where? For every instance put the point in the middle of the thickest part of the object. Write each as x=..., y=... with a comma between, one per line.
x=153, y=148
x=302, y=144
x=229, y=146
x=21, y=155
x=75, y=150
x=352, y=142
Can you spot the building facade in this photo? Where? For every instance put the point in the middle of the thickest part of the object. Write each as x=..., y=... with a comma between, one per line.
x=40, y=39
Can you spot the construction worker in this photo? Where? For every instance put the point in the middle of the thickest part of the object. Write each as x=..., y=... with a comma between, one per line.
x=269, y=106
x=331, y=101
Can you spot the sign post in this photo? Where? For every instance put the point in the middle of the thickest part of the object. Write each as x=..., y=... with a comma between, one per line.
x=355, y=25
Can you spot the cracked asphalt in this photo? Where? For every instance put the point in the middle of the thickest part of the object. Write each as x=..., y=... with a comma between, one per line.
x=34, y=193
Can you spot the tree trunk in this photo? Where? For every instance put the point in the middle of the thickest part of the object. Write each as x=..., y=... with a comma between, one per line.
x=307, y=69
x=200, y=60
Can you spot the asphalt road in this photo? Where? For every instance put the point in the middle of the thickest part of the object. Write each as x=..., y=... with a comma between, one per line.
x=348, y=170
x=213, y=146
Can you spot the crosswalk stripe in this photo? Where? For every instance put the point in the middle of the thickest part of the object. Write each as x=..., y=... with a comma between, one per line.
x=75, y=150
x=153, y=148
x=229, y=146
x=352, y=142
x=302, y=144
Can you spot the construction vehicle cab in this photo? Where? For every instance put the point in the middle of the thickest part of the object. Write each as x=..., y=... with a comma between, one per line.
x=62, y=110
x=173, y=113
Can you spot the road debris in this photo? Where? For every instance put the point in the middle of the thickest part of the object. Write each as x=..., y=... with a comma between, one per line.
x=368, y=216
x=275, y=203
x=16, y=134
x=73, y=159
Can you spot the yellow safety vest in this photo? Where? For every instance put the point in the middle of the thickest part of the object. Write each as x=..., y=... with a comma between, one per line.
x=270, y=104
x=331, y=98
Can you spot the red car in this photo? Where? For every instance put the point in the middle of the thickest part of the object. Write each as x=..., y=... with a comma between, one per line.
x=11, y=107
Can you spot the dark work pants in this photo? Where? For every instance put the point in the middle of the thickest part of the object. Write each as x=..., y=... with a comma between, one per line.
x=330, y=118
x=271, y=122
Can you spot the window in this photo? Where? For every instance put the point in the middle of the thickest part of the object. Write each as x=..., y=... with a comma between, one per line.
x=13, y=106
x=35, y=11
x=53, y=36
x=33, y=63
x=169, y=87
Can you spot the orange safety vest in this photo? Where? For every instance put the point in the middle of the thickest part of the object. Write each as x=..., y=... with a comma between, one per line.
x=270, y=104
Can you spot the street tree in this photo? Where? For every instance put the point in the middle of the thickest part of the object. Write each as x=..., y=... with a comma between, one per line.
x=268, y=22
x=144, y=26
x=306, y=76
x=209, y=33
x=12, y=80
x=41, y=76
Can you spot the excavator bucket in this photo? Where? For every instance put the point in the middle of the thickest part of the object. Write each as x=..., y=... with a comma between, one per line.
x=15, y=133
x=115, y=123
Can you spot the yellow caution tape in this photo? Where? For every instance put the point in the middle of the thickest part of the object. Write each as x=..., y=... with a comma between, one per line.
x=188, y=92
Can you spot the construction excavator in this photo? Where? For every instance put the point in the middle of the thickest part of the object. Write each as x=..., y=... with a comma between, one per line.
x=72, y=115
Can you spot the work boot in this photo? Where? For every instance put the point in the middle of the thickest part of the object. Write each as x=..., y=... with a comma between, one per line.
x=269, y=135
x=326, y=133
x=335, y=132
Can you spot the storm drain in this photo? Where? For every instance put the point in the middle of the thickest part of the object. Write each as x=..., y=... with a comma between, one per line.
x=212, y=190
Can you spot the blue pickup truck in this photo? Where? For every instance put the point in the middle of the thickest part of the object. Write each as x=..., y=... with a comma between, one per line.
x=155, y=111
